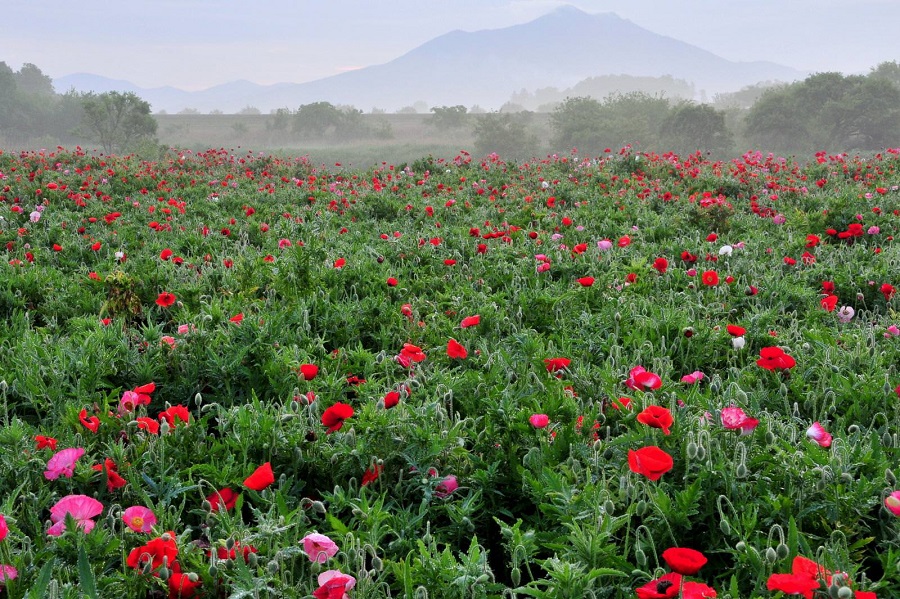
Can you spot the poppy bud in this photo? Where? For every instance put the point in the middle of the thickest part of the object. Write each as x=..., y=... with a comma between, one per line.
x=701, y=453
x=890, y=477
x=741, y=470
x=740, y=546
x=887, y=440
x=608, y=507
x=845, y=593
x=229, y=544
x=771, y=555
x=515, y=576
x=692, y=450
x=213, y=570
x=272, y=567
x=640, y=557
x=318, y=507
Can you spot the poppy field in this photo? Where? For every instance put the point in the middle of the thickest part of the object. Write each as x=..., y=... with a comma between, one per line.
x=236, y=374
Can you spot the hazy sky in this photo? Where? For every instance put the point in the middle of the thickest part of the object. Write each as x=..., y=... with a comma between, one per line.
x=194, y=44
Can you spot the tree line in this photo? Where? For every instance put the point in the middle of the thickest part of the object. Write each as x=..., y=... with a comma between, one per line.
x=32, y=112
x=825, y=111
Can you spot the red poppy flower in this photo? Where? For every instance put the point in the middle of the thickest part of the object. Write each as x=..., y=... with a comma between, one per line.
x=174, y=414
x=664, y=587
x=113, y=480
x=456, y=350
x=165, y=299
x=586, y=281
x=339, y=263
x=371, y=474
x=225, y=497
x=309, y=371
x=237, y=318
x=91, y=423
x=556, y=364
x=470, y=321
x=829, y=303
x=411, y=353
x=793, y=584
x=334, y=417
x=827, y=287
x=96, y=247
x=165, y=254
x=45, y=442
x=735, y=331
x=651, y=462
x=391, y=399
x=710, y=278
x=657, y=417
x=261, y=478
x=697, y=590
x=888, y=291
x=148, y=424
x=155, y=552
x=660, y=265
x=392, y=282
x=683, y=560
x=181, y=585
x=774, y=358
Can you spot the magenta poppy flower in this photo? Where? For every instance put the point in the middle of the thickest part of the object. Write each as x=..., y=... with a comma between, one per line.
x=63, y=463
x=139, y=518
x=446, y=486
x=82, y=509
x=539, y=420
x=319, y=548
x=4, y=528
x=7, y=572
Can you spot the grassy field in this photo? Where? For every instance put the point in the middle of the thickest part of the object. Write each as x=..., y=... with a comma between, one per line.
x=412, y=136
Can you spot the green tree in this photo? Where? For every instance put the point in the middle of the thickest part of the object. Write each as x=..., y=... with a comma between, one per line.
x=449, y=117
x=889, y=71
x=30, y=80
x=827, y=111
x=690, y=127
x=117, y=121
x=317, y=119
x=506, y=134
x=578, y=123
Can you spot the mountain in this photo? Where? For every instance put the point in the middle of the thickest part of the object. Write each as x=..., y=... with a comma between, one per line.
x=484, y=67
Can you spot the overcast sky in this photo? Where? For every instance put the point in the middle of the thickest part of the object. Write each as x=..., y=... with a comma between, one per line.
x=195, y=44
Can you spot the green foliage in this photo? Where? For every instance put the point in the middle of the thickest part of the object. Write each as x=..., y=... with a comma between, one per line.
x=116, y=120
x=829, y=111
x=693, y=127
x=451, y=491
x=449, y=117
x=506, y=134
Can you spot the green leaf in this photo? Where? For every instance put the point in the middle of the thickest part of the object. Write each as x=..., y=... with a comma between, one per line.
x=39, y=590
x=86, y=579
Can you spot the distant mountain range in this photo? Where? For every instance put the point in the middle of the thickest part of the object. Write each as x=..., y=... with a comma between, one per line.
x=482, y=67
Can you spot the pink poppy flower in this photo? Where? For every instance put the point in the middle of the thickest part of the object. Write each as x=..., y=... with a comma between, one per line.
x=734, y=418
x=4, y=528
x=82, y=509
x=539, y=420
x=446, y=486
x=892, y=503
x=63, y=463
x=7, y=572
x=640, y=379
x=694, y=377
x=139, y=518
x=319, y=548
x=818, y=434
x=334, y=585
